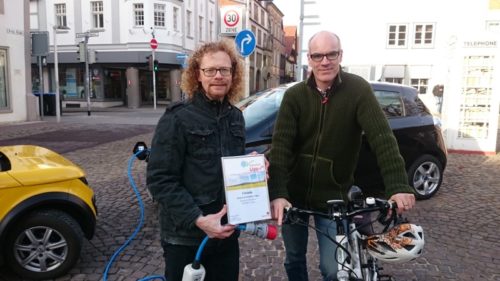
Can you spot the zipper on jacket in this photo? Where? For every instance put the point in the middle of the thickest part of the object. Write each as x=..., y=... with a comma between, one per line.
x=221, y=147
x=315, y=153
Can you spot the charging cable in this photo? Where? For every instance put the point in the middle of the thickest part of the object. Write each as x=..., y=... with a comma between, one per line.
x=139, y=225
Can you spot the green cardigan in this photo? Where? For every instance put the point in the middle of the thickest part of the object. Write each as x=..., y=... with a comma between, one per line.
x=315, y=145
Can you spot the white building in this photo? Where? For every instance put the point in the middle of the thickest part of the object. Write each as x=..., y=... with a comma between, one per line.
x=426, y=43
x=121, y=32
x=16, y=101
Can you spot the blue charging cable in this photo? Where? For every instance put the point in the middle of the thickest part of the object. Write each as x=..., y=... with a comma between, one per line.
x=139, y=225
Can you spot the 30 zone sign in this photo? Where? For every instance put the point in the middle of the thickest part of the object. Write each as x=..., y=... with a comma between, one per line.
x=231, y=19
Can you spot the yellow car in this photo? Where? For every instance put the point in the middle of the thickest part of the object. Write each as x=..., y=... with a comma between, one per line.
x=46, y=209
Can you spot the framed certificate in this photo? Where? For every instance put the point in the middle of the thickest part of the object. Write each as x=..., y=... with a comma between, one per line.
x=245, y=186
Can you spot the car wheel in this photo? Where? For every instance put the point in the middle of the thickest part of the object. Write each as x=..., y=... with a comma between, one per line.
x=425, y=176
x=44, y=245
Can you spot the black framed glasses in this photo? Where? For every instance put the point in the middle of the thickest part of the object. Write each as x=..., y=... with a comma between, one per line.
x=329, y=56
x=211, y=72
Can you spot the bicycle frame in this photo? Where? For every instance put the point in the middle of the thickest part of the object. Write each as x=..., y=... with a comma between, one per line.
x=357, y=263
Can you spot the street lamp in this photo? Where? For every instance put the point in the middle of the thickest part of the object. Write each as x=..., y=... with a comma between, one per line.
x=56, y=70
x=301, y=32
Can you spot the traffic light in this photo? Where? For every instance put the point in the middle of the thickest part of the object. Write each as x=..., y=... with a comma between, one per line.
x=81, y=51
x=155, y=65
x=150, y=62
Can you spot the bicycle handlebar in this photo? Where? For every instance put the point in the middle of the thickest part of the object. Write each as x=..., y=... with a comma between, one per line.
x=372, y=205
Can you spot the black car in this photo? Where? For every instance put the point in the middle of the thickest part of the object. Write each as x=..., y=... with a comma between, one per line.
x=418, y=134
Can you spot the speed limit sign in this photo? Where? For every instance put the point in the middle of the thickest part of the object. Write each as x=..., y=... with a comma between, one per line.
x=231, y=19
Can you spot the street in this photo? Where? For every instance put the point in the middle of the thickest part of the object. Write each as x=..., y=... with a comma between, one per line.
x=461, y=222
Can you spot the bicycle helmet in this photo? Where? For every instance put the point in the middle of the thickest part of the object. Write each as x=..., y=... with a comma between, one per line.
x=402, y=243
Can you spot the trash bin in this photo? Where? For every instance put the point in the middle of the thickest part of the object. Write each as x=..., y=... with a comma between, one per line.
x=49, y=103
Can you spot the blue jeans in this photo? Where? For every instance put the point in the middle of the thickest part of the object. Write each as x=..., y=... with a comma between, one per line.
x=295, y=237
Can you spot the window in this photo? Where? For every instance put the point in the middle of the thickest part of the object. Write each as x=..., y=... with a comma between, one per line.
x=60, y=12
x=159, y=15
x=176, y=18
x=256, y=12
x=424, y=35
x=97, y=14
x=420, y=84
x=200, y=27
x=390, y=102
x=1, y=7
x=4, y=97
x=211, y=30
x=493, y=26
x=397, y=36
x=33, y=14
x=393, y=80
x=139, y=14
x=189, y=23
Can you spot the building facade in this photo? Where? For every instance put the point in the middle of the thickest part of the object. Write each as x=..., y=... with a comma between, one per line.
x=16, y=101
x=119, y=34
x=291, y=44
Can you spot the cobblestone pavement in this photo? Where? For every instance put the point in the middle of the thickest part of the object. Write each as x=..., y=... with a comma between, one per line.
x=461, y=222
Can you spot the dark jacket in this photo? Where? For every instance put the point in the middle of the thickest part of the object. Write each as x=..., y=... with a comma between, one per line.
x=184, y=172
x=316, y=144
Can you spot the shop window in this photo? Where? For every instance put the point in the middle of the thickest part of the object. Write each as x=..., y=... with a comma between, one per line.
x=420, y=84
x=114, y=83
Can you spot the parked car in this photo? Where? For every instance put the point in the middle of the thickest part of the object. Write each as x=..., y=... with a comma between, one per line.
x=46, y=209
x=418, y=134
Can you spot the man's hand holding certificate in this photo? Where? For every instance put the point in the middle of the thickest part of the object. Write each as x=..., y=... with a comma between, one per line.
x=245, y=184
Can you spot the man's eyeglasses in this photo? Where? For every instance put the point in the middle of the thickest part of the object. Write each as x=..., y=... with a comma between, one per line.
x=329, y=56
x=211, y=72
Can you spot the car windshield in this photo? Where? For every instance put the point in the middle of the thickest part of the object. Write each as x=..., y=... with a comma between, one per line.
x=260, y=106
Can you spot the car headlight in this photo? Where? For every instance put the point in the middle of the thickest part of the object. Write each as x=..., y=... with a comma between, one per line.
x=84, y=180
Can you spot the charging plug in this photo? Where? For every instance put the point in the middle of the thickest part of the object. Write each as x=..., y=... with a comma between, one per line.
x=141, y=151
x=193, y=272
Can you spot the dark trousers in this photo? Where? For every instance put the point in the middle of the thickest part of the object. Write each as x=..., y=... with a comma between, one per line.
x=220, y=258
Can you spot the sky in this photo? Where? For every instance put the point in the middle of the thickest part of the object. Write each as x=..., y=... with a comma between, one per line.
x=291, y=10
